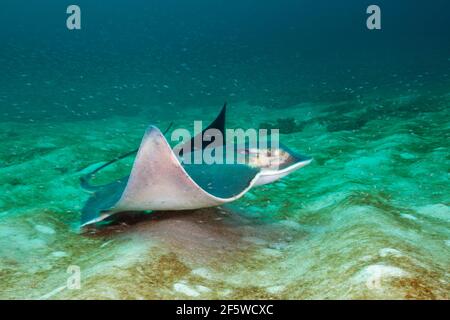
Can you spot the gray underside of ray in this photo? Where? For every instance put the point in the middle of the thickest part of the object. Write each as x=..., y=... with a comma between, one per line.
x=221, y=180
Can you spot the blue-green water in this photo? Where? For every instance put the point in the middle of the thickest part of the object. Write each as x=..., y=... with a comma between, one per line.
x=369, y=218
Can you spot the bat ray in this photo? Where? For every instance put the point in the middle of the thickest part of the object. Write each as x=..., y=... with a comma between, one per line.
x=159, y=180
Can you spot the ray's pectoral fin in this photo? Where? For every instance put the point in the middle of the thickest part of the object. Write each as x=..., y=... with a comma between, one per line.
x=100, y=203
x=105, y=198
x=158, y=181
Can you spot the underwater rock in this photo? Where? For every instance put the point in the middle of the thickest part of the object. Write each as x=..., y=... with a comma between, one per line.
x=390, y=252
x=374, y=274
x=203, y=273
x=270, y=252
x=185, y=289
x=408, y=216
x=59, y=254
x=202, y=289
x=275, y=289
x=437, y=211
x=44, y=229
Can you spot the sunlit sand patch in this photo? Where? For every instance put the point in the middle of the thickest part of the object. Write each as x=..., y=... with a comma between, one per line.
x=189, y=253
x=373, y=275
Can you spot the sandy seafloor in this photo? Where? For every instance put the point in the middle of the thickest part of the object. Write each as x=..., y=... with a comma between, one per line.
x=369, y=218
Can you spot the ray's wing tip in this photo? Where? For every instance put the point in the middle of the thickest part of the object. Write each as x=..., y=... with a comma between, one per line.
x=300, y=158
x=306, y=160
x=153, y=132
x=91, y=222
x=152, y=129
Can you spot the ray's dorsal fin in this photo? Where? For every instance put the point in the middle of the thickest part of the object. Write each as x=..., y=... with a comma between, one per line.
x=218, y=124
